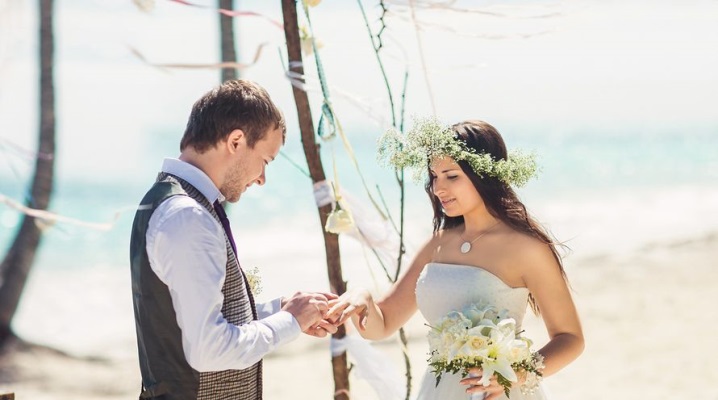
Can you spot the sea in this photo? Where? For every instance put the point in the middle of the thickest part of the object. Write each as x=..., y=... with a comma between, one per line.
x=623, y=124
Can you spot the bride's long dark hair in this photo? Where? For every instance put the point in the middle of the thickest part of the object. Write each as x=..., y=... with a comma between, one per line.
x=500, y=199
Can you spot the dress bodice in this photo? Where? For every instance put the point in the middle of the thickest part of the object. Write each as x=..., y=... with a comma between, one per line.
x=442, y=288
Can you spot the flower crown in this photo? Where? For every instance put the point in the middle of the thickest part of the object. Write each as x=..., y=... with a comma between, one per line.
x=429, y=139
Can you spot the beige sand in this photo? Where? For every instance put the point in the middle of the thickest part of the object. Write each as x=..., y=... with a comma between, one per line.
x=648, y=319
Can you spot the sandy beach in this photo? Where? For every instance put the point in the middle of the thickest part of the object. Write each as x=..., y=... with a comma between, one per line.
x=622, y=120
x=647, y=318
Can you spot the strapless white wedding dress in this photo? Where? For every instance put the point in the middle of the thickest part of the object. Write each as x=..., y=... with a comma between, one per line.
x=442, y=288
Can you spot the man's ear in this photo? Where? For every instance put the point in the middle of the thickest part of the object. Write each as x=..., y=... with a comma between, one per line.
x=236, y=140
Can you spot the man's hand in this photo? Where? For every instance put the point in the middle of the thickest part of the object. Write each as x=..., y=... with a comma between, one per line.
x=309, y=310
x=322, y=329
x=356, y=301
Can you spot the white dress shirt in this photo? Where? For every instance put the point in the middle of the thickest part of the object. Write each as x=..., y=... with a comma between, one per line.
x=187, y=251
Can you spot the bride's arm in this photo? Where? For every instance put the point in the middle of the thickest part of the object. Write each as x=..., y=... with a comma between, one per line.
x=378, y=319
x=546, y=283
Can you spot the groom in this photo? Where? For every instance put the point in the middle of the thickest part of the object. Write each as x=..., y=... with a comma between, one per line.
x=200, y=334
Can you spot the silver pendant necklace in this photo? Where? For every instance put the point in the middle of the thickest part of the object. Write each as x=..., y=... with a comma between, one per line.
x=466, y=245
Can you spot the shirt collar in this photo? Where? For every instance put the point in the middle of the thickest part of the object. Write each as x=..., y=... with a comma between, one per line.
x=194, y=176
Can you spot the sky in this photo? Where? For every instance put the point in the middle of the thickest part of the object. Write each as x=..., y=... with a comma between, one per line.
x=612, y=61
x=617, y=68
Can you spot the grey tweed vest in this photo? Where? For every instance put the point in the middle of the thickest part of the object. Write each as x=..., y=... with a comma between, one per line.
x=166, y=374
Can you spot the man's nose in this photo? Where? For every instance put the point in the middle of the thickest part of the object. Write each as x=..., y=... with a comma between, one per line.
x=261, y=180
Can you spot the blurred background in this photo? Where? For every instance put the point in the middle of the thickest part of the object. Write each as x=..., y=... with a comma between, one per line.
x=617, y=98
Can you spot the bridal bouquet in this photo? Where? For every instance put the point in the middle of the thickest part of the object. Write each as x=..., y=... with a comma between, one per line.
x=479, y=336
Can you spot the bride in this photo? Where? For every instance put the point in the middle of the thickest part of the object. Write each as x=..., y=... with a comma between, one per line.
x=485, y=248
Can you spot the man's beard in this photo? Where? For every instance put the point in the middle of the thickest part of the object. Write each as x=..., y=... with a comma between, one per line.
x=233, y=183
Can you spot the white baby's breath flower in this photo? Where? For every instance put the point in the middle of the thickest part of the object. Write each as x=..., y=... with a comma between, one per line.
x=254, y=280
x=429, y=140
x=519, y=350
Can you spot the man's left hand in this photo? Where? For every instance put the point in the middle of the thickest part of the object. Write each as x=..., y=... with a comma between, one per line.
x=322, y=329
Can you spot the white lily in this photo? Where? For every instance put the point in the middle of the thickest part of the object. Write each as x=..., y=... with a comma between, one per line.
x=499, y=353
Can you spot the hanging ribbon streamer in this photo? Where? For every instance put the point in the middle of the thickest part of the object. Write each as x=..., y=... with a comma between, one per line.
x=50, y=218
x=433, y=6
x=370, y=108
x=221, y=65
x=328, y=120
x=372, y=229
x=487, y=36
x=232, y=13
x=28, y=154
x=371, y=365
x=422, y=57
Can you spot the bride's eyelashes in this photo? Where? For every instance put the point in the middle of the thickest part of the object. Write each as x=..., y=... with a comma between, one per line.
x=432, y=178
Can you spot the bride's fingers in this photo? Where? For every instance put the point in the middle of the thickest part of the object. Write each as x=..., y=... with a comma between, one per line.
x=327, y=326
x=330, y=296
x=474, y=380
x=346, y=314
x=476, y=372
x=318, y=331
x=335, y=311
x=494, y=395
x=363, y=318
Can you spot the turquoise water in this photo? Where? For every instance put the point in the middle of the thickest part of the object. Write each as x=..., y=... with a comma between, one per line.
x=580, y=162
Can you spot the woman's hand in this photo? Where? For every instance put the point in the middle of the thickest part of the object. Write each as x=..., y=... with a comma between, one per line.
x=353, y=302
x=493, y=391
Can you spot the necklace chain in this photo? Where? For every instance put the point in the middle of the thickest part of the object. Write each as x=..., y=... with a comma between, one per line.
x=466, y=245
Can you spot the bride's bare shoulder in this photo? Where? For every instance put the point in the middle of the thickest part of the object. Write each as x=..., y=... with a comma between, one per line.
x=428, y=251
x=530, y=252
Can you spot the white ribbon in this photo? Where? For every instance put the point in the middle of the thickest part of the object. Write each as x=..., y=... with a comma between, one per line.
x=371, y=365
x=46, y=219
x=372, y=230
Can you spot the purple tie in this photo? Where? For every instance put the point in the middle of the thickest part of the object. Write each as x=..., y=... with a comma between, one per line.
x=225, y=224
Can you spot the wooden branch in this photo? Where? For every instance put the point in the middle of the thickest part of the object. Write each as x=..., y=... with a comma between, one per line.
x=226, y=37
x=316, y=171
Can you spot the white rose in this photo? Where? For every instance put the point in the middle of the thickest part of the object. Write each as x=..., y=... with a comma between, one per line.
x=519, y=351
x=475, y=347
x=305, y=40
x=339, y=221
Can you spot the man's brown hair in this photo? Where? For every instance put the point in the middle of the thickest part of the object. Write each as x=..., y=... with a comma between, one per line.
x=235, y=104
